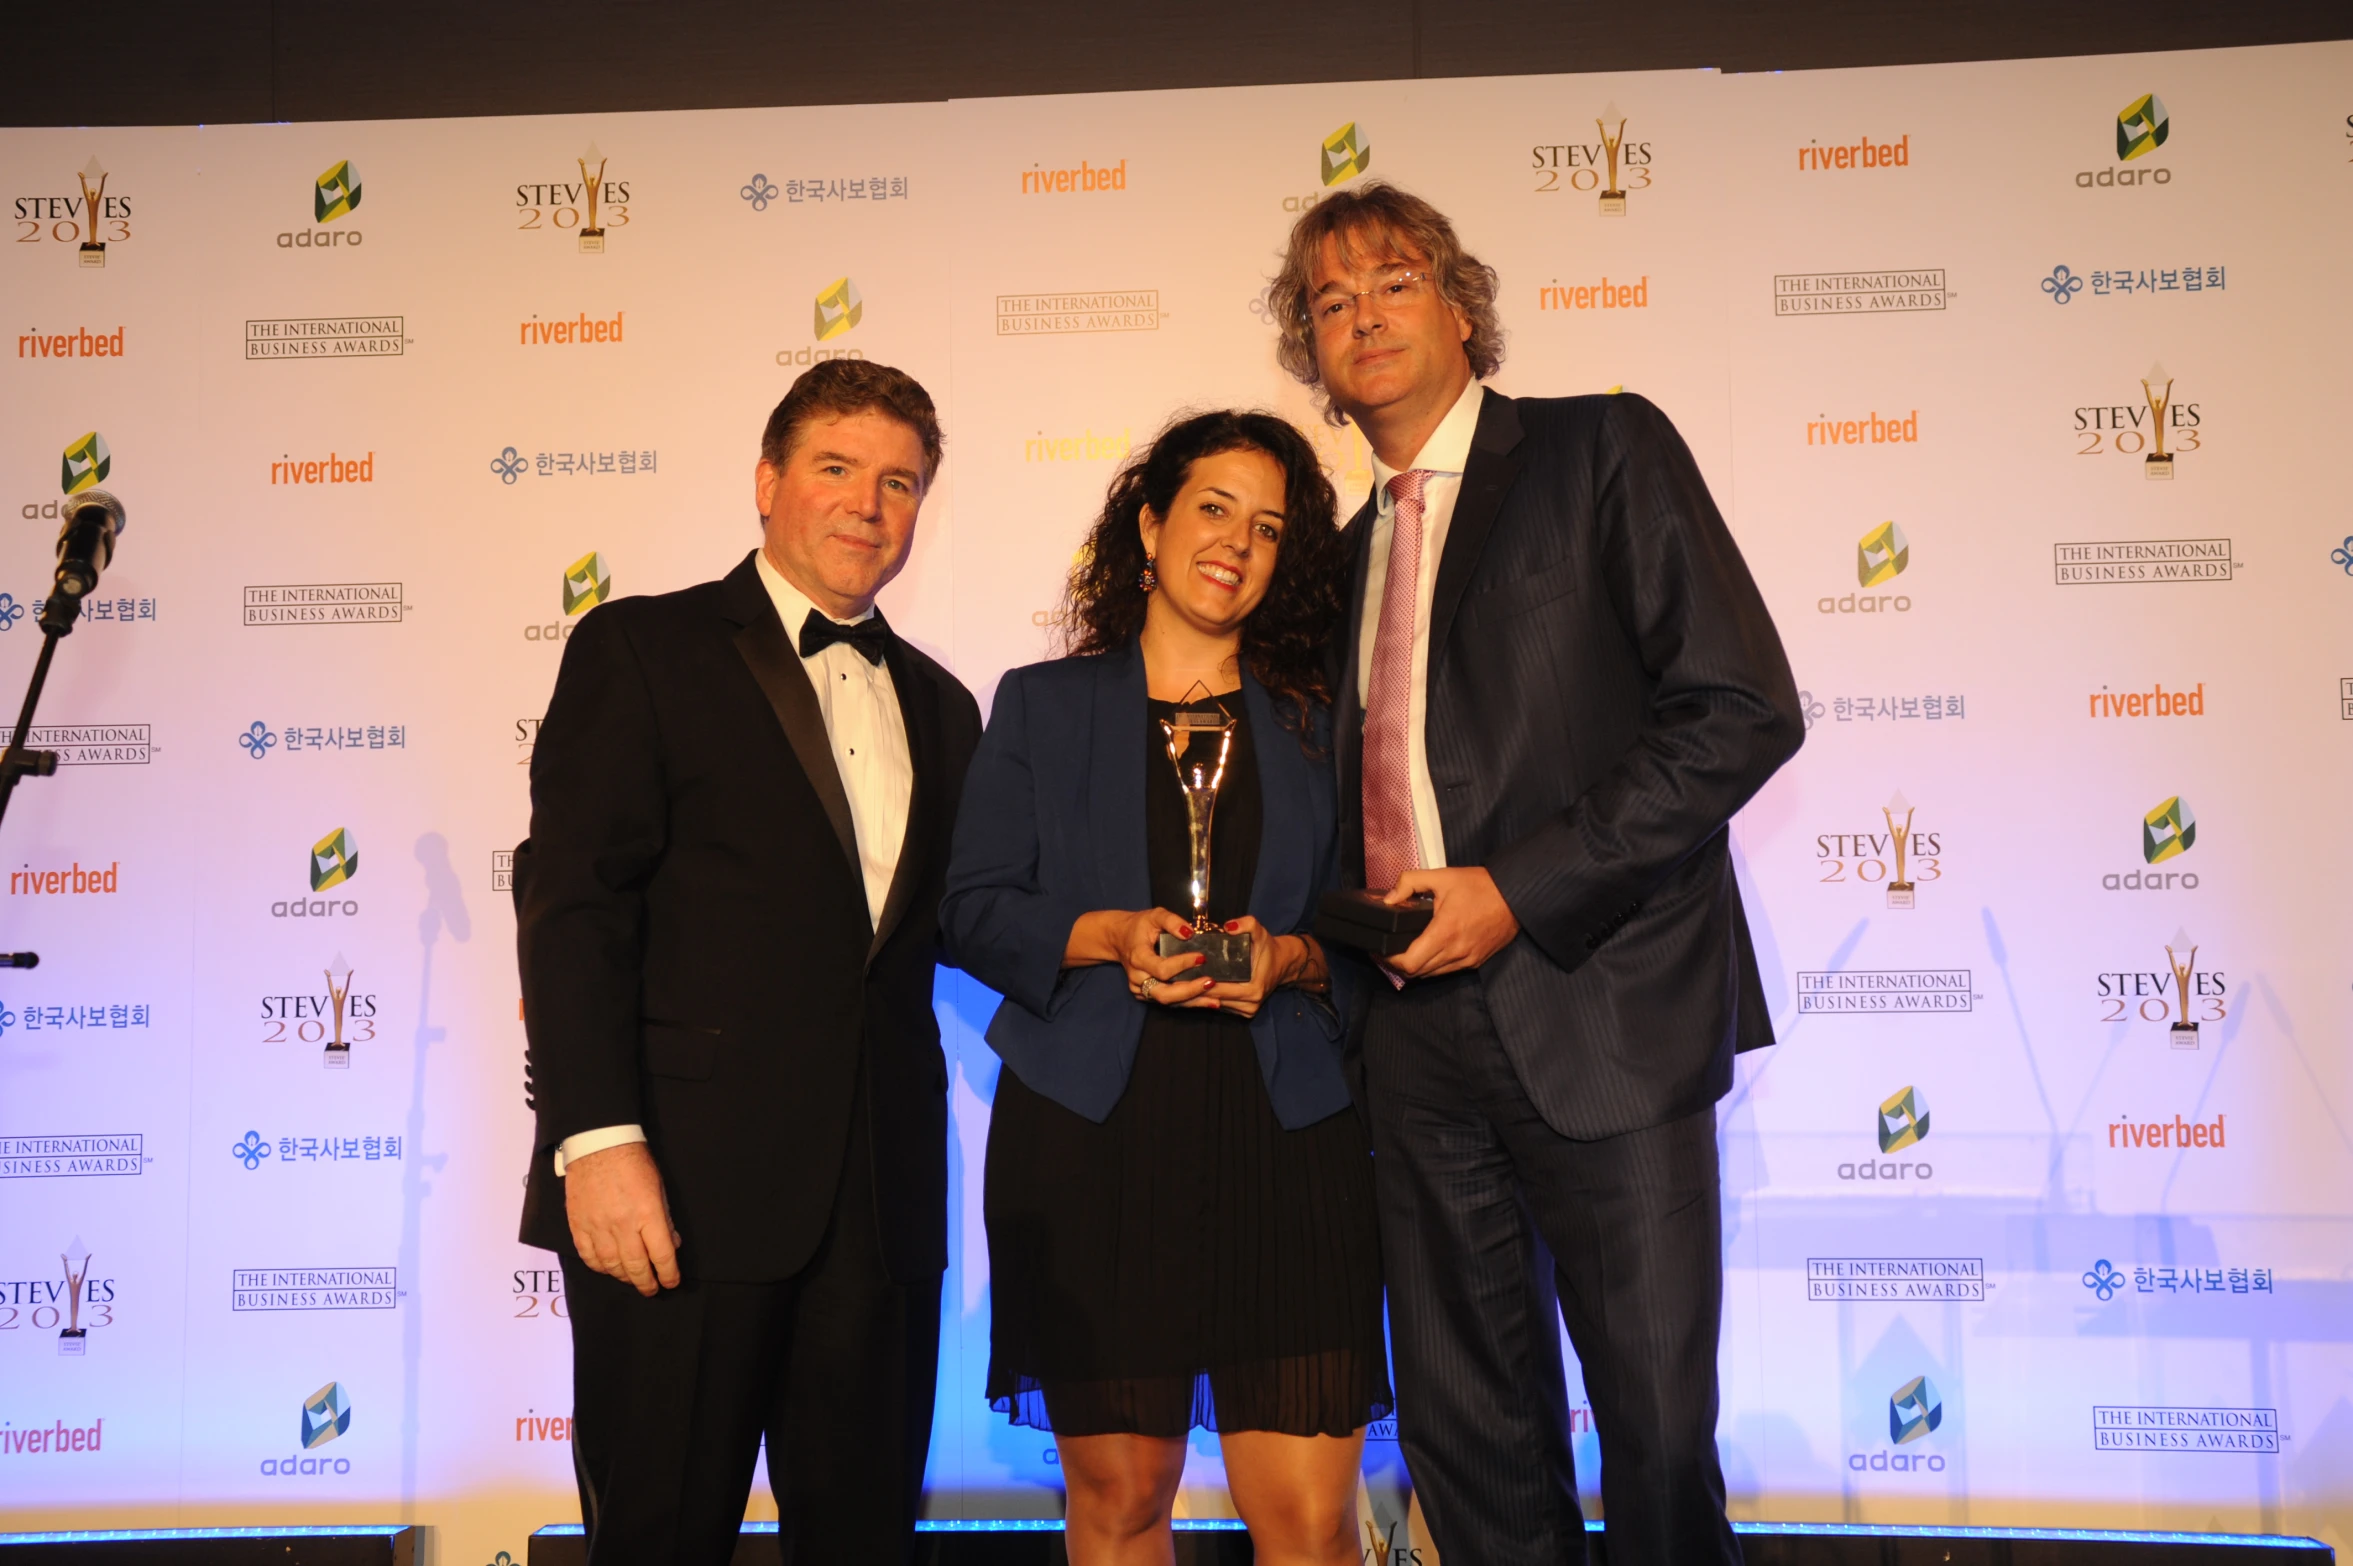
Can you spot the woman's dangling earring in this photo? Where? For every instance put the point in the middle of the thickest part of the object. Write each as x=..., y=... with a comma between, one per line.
x=1150, y=579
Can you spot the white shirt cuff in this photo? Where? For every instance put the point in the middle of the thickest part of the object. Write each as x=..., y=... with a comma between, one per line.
x=574, y=1148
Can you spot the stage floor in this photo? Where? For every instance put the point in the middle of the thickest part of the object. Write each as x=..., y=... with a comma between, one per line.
x=1198, y=1544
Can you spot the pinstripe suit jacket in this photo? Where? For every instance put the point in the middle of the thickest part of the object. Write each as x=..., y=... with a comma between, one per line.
x=1605, y=690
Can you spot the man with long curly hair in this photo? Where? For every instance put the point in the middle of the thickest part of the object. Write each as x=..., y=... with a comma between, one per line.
x=1557, y=683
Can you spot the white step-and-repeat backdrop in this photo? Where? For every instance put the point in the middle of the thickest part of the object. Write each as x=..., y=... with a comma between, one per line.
x=2025, y=386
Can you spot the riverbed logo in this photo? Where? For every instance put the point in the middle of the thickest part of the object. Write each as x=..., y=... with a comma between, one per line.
x=1346, y=154
x=333, y=860
x=326, y=1414
x=87, y=462
x=1881, y=555
x=1903, y=1121
x=1913, y=1410
x=2167, y=831
x=840, y=308
x=336, y=193
x=588, y=581
x=2141, y=127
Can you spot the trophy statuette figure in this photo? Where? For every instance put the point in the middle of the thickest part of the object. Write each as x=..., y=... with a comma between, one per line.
x=1200, y=738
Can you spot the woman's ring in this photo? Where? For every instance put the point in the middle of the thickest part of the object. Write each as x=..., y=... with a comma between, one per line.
x=1144, y=990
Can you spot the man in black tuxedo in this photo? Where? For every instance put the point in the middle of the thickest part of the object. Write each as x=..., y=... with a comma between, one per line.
x=1557, y=684
x=741, y=803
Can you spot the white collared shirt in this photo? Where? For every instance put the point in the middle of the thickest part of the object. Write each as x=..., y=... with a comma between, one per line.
x=869, y=735
x=1444, y=456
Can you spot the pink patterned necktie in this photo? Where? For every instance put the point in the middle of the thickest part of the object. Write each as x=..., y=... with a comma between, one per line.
x=1391, y=844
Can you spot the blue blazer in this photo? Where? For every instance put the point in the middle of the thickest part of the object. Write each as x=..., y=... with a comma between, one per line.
x=1052, y=826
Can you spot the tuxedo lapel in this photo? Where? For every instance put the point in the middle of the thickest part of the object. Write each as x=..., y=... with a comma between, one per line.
x=760, y=640
x=919, y=710
x=1496, y=460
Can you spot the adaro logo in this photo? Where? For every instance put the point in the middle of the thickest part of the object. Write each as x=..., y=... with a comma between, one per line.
x=588, y=581
x=1902, y=1123
x=840, y=307
x=2168, y=831
x=1881, y=555
x=1913, y=1411
x=334, y=194
x=87, y=462
x=326, y=1416
x=1903, y=1120
x=2142, y=126
x=1347, y=152
x=333, y=860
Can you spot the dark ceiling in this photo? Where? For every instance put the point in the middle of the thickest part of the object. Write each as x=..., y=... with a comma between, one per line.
x=113, y=62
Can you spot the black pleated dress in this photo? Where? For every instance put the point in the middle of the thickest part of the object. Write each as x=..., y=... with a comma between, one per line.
x=1187, y=1262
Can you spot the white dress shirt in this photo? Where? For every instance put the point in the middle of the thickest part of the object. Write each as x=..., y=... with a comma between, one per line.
x=1443, y=456
x=869, y=734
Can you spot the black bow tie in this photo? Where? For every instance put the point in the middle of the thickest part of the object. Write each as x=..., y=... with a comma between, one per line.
x=867, y=638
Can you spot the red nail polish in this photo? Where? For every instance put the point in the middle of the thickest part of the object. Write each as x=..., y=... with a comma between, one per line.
x=1232, y=925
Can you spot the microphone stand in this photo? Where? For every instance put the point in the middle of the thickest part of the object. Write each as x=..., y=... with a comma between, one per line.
x=18, y=761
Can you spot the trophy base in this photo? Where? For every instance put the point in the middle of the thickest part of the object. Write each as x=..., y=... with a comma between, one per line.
x=93, y=255
x=592, y=241
x=1899, y=894
x=1229, y=955
x=74, y=1342
x=2157, y=467
x=337, y=1057
x=1613, y=203
x=2185, y=1035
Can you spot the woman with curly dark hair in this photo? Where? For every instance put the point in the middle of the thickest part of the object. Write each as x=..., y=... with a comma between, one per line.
x=1179, y=1198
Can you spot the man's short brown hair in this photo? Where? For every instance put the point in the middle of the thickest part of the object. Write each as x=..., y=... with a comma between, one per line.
x=838, y=388
x=1374, y=221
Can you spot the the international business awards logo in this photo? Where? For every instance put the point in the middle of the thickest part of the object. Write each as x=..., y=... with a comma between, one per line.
x=2167, y=831
x=1881, y=555
x=1903, y=1120
x=588, y=581
x=326, y=1414
x=840, y=307
x=1347, y=153
x=1913, y=1410
x=2141, y=127
x=87, y=462
x=336, y=193
x=333, y=860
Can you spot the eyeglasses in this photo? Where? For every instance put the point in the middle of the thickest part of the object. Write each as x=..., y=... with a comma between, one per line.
x=1396, y=289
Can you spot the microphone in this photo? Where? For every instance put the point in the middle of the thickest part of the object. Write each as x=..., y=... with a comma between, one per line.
x=85, y=544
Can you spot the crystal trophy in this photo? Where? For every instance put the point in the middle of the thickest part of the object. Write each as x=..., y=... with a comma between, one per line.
x=1200, y=741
